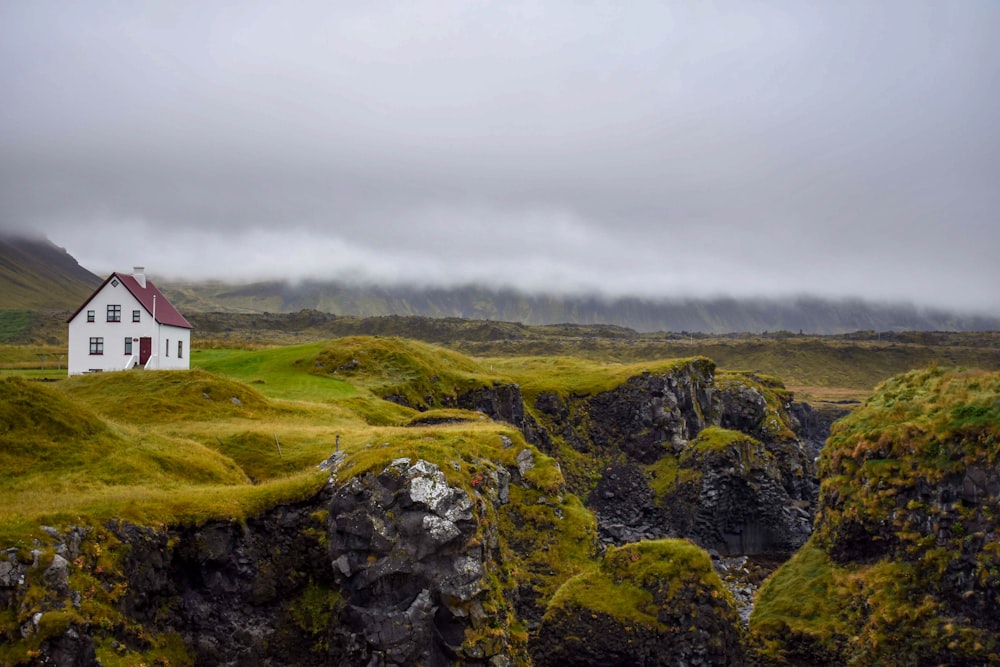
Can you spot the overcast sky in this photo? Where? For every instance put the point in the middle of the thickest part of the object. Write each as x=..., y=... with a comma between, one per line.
x=656, y=149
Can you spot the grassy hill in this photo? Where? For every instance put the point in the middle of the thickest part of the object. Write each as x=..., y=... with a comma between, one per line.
x=182, y=445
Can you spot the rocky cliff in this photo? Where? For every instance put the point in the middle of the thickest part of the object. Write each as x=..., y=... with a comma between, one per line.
x=482, y=550
x=396, y=567
x=685, y=453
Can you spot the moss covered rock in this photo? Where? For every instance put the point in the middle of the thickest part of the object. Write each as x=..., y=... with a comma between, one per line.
x=904, y=564
x=650, y=603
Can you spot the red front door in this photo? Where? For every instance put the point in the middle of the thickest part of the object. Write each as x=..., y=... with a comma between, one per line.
x=145, y=349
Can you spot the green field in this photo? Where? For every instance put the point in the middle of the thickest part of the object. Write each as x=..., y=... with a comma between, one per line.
x=278, y=372
x=242, y=430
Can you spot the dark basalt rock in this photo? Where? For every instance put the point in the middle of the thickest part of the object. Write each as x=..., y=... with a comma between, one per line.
x=504, y=403
x=746, y=499
x=743, y=408
x=410, y=554
x=625, y=508
x=738, y=501
x=589, y=639
x=812, y=423
x=72, y=648
x=225, y=586
x=651, y=412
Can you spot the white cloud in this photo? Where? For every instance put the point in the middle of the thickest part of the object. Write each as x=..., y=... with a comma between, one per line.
x=774, y=148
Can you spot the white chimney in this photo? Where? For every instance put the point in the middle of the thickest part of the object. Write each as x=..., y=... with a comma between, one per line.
x=139, y=273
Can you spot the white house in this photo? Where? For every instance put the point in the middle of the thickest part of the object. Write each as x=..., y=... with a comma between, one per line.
x=127, y=322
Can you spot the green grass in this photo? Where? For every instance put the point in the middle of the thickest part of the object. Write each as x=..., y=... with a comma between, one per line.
x=715, y=439
x=574, y=375
x=283, y=372
x=182, y=446
x=803, y=593
x=32, y=357
x=62, y=458
x=410, y=372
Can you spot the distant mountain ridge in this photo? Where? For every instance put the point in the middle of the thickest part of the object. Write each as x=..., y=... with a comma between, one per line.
x=35, y=274
x=719, y=315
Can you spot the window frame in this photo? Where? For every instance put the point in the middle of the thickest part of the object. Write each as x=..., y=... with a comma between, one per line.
x=180, y=349
x=114, y=312
x=136, y=315
x=91, y=316
x=97, y=346
x=128, y=345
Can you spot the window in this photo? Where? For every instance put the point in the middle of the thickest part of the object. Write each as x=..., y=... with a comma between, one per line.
x=114, y=313
x=97, y=346
x=180, y=349
x=135, y=315
x=90, y=316
x=168, y=347
x=128, y=345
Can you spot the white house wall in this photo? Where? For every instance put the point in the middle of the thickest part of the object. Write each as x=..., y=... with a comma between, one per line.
x=169, y=337
x=114, y=334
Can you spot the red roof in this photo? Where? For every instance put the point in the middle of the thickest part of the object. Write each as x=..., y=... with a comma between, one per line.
x=165, y=311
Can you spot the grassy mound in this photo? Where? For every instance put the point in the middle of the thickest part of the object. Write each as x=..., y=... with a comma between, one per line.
x=60, y=457
x=643, y=602
x=408, y=372
x=635, y=583
x=566, y=376
x=164, y=396
x=31, y=411
x=714, y=439
x=904, y=564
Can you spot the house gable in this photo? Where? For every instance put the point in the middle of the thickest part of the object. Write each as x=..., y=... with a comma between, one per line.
x=145, y=295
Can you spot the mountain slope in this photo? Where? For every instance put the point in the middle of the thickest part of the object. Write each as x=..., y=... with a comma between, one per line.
x=36, y=274
x=718, y=315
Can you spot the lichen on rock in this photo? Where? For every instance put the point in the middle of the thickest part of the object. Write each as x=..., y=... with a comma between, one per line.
x=411, y=554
